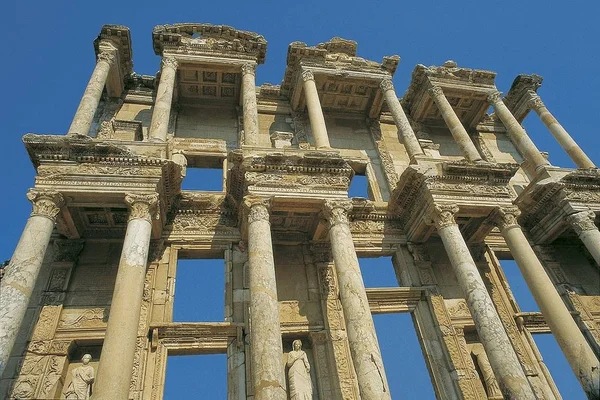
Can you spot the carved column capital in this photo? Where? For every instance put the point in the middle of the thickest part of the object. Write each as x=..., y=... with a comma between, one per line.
x=170, y=62
x=494, y=97
x=582, y=221
x=142, y=206
x=248, y=68
x=505, y=217
x=336, y=211
x=386, y=84
x=106, y=55
x=443, y=215
x=257, y=208
x=307, y=75
x=535, y=102
x=435, y=91
x=46, y=203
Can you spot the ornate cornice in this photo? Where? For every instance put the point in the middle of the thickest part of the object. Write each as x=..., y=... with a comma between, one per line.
x=46, y=203
x=142, y=206
x=443, y=215
x=336, y=211
x=257, y=208
x=582, y=221
x=119, y=38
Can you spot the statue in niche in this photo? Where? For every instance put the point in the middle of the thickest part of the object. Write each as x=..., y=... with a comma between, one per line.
x=300, y=385
x=487, y=374
x=80, y=387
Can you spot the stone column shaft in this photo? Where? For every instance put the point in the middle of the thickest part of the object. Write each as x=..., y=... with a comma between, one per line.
x=456, y=127
x=315, y=112
x=159, y=125
x=364, y=346
x=560, y=134
x=249, y=105
x=516, y=132
x=21, y=274
x=583, y=224
x=118, y=350
x=411, y=143
x=82, y=121
x=265, y=330
x=501, y=354
x=568, y=335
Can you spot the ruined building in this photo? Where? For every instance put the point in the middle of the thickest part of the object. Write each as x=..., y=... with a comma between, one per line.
x=455, y=184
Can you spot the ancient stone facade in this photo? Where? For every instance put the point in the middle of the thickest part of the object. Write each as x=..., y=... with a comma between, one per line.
x=452, y=190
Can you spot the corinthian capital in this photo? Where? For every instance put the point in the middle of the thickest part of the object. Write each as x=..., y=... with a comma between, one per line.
x=386, y=84
x=307, y=75
x=435, y=91
x=336, y=211
x=506, y=217
x=535, y=102
x=170, y=62
x=494, y=97
x=582, y=221
x=142, y=206
x=46, y=203
x=248, y=68
x=443, y=215
x=106, y=55
x=257, y=208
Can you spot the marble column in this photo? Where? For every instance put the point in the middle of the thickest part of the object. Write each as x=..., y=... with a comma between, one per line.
x=249, y=105
x=265, y=330
x=82, y=121
x=502, y=356
x=583, y=224
x=315, y=112
x=456, y=127
x=159, y=125
x=409, y=139
x=22, y=272
x=364, y=346
x=566, y=332
x=560, y=134
x=516, y=132
x=116, y=360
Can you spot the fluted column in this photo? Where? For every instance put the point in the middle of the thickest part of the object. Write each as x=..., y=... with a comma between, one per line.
x=82, y=121
x=22, y=272
x=249, y=105
x=583, y=224
x=409, y=139
x=116, y=360
x=570, y=339
x=362, y=338
x=456, y=127
x=560, y=134
x=159, y=125
x=516, y=132
x=502, y=356
x=315, y=112
x=265, y=330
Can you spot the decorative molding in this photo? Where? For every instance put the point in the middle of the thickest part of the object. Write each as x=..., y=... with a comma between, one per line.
x=46, y=203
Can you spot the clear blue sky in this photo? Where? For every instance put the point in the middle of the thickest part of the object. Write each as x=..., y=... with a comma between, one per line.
x=48, y=58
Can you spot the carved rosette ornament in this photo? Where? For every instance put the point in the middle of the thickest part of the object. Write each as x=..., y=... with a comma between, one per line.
x=248, y=68
x=46, y=203
x=170, y=62
x=386, y=84
x=535, y=102
x=336, y=211
x=142, y=206
x=506, y=217
x=108, y=56
x=307, y=76
x=435, y=92
x=582, y=221
x=257, y=208
x=494, y=97
x=443, y=215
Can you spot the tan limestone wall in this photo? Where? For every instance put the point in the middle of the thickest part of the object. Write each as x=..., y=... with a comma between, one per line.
x=208, y=122
x=136, y=112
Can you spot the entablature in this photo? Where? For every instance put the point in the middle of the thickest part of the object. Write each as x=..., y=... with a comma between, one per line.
x=116, y=39
x=518, y=97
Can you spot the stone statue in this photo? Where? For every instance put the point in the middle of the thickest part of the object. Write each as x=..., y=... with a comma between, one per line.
x=300, y=385
x=489, y=379
x=80, y=387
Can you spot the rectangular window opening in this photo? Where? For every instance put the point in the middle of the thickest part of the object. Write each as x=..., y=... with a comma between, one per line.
x=204, y=179
x=359, y=187
x=406, y=380
x=199, y=291
x=196, y=376
x=378, y=272
x=518, y=286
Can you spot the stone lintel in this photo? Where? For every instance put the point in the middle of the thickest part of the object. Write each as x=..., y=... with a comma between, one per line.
x=195, y=337
x=393, y=300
